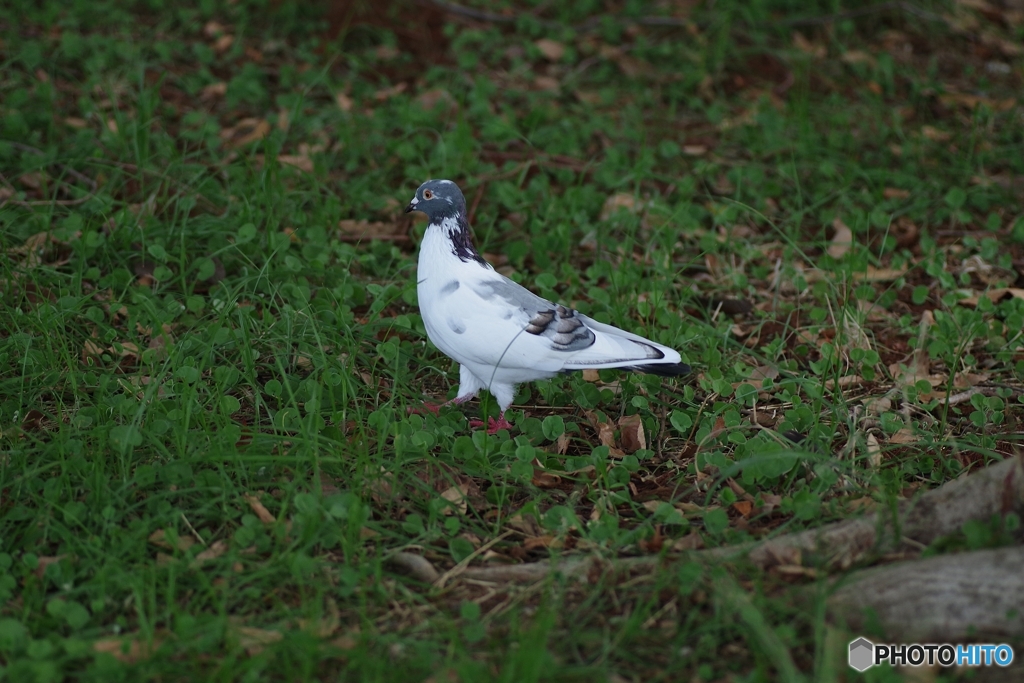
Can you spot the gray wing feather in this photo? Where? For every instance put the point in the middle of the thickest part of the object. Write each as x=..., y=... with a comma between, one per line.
x=563, y=326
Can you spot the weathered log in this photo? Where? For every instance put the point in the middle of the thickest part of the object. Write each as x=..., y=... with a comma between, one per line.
x=994, y=490
x=968, y=597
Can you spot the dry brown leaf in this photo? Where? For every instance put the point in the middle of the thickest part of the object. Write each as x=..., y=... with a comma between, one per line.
x=303, y=163
x=457, y=496
x=214, y=91
x=325, y=626
x=159, y=538
x=45, y=561
x=691, y=541
x=620, y=200
x=744, y=507
x=526, y=524
x=223, y=43
x=763, y=372
x=605, y=431
x=815, y=50
x=895, y=193
x=430, y=99
x=91, y=349
x=591, y=375
x=854, y=335
x=863, y=503
x=630, y=66
x=347, y=641
x=655, y=543
x=551, y=49
x=908, y=376
x=994, y=295
x=546, y=541
x=795, y=571
x=32, y=420
x=344, y=102
x=873, y=312
x=878, y=405
x=717, y=429
x=543, y=479
x=844, y=382
x=874, y=451
x=858, y=57
x=255, y=640
x=257, y=507
x=546, y=83
x=31, y=180
x=770, y=501
x=685, y=507
x=652, y=506
x=631, y=433
x=212, y=29
x=841, y=241
x=972, y=101
x=879, y=274
x=259, y=129
x=216, y=549
x=129, y=649
x=966, y=380
x=936, y=135
x=385, y=94
x=905, y=435
x=123, y=349
x=988, y=273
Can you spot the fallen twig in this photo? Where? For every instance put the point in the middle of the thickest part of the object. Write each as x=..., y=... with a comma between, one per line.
x=461, y=566
x=995, y=490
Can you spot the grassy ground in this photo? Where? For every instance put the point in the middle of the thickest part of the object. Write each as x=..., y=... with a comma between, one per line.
x=210, y=339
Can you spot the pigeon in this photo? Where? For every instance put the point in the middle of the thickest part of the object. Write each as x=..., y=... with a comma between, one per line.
x=499, y=332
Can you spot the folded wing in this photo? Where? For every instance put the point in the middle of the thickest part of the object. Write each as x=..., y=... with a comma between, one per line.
x=506, y=325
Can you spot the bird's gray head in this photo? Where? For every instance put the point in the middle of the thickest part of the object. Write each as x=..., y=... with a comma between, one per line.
x=438, y=199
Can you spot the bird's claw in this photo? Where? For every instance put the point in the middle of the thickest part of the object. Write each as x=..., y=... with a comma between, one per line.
x=433, y=408
x=493, y=426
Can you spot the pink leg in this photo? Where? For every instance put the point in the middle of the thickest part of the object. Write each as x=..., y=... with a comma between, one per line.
x=493, y=425
x=435, y=408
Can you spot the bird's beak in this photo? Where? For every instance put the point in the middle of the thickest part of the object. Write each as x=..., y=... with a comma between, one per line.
x=412, y=205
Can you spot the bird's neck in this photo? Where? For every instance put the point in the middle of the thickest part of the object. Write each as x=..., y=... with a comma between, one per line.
x=452, y=235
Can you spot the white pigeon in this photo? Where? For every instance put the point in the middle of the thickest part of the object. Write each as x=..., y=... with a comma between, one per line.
x=500, y=333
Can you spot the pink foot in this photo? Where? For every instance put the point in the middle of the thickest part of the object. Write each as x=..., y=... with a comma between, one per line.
x=425, y=408
x=493, y=425
x=434, y=408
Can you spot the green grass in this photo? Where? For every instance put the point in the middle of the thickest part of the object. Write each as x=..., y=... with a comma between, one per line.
x=187, y=329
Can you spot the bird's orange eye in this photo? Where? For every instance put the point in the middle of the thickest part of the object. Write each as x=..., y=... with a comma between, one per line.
x=427, y=194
